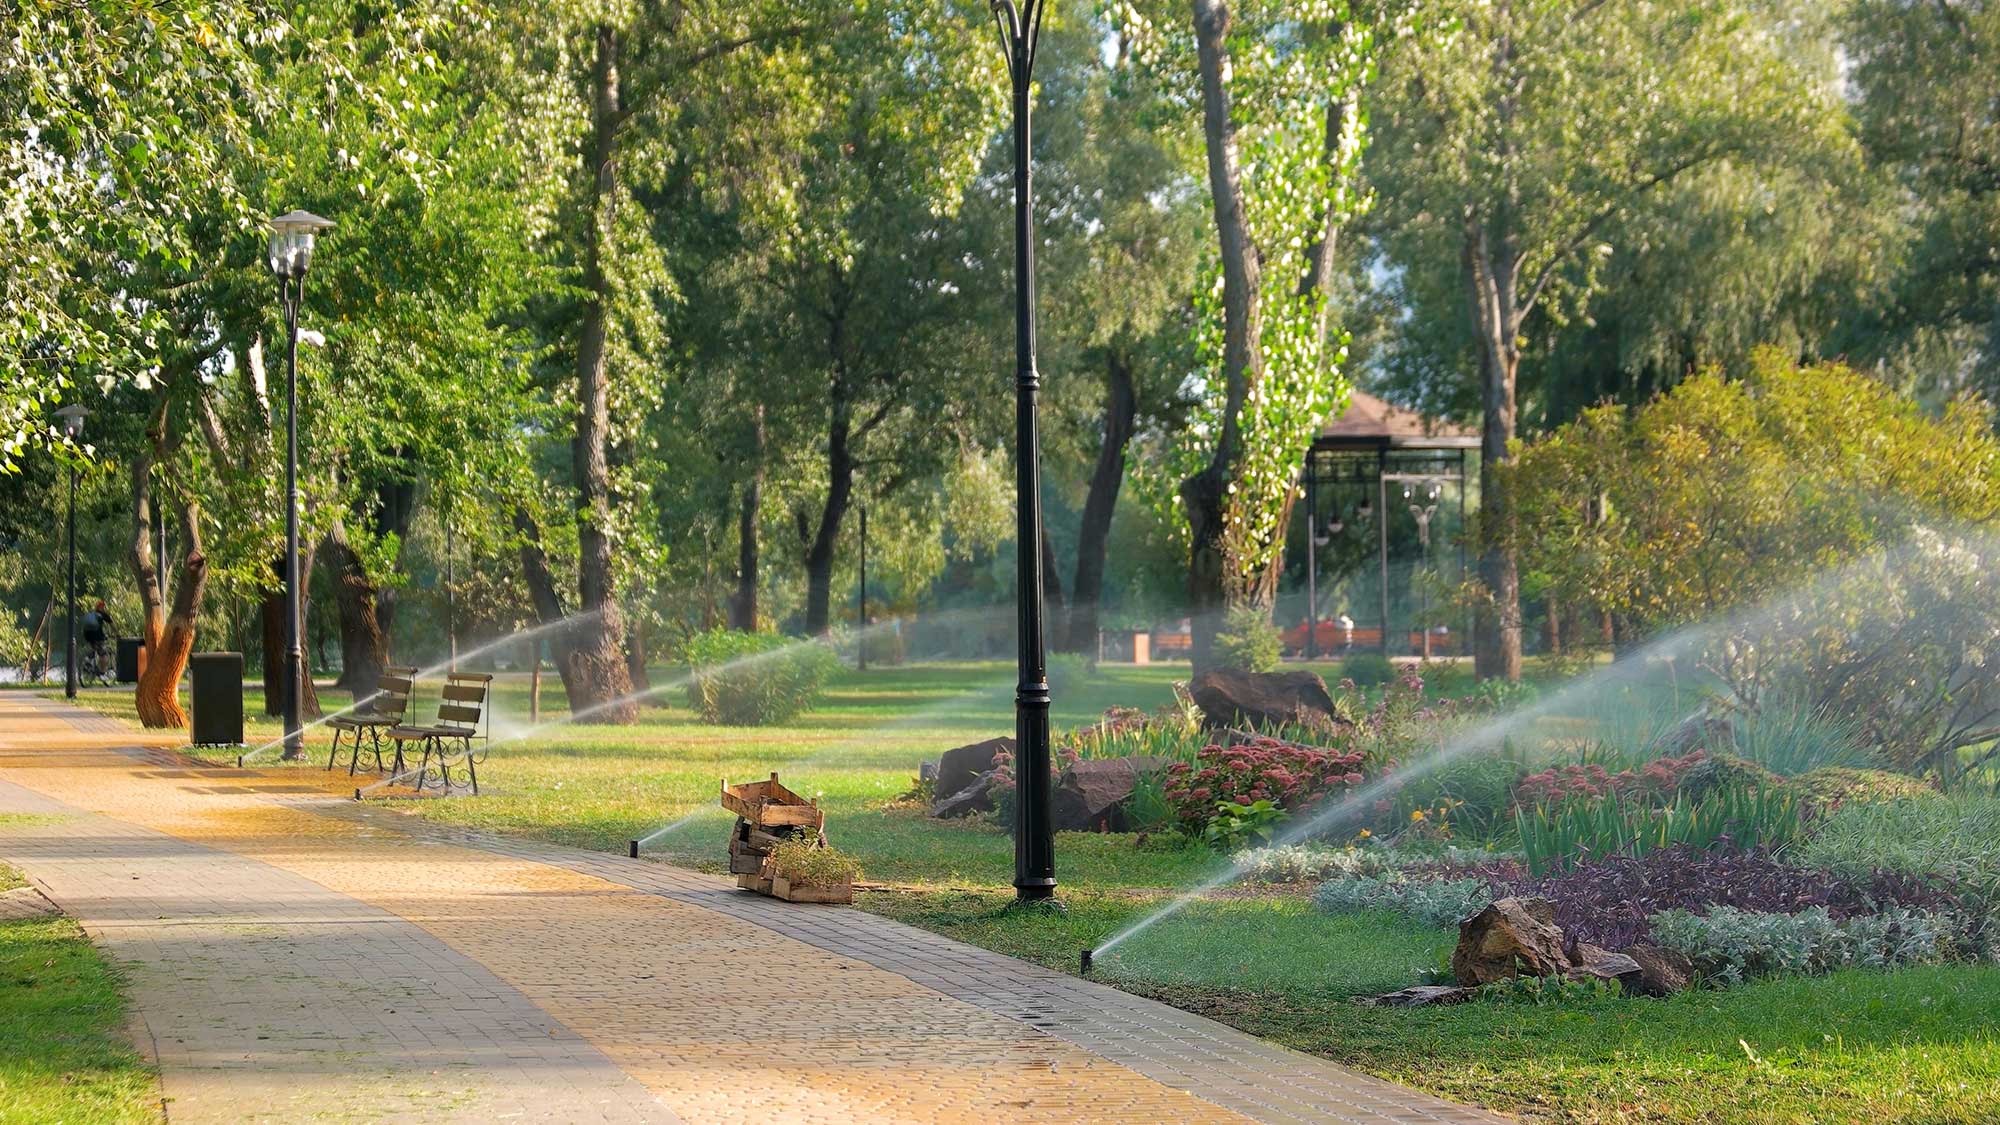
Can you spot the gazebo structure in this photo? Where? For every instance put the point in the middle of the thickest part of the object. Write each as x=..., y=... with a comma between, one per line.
x=1364, y=471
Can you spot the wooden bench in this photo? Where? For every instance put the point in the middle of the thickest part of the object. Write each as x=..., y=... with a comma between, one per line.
x=462, y=719
x=383, y=711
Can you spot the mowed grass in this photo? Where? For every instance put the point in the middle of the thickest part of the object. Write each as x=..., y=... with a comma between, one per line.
x=63, y=1052
x=1917, y=1045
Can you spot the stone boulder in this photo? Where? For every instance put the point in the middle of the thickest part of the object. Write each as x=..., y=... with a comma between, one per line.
x=1594, y=962
x=1090, y=795
x=1513, y=937
x=974, y=797
x=1418, y=996
x=1228, y=697
x=1659, y=972
x=959, y=767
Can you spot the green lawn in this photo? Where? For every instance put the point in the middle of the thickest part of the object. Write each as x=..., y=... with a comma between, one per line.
x=63, y=1052
x=1913, y=1046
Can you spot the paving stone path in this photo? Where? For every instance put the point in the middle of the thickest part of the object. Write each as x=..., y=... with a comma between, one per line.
x=294, y=956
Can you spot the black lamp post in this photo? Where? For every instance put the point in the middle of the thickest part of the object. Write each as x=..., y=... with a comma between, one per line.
x=861, y=600
x=291, y=253
x=72, y=422
x=1034, y=830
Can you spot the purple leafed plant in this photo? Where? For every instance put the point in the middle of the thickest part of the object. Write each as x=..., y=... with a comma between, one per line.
x=1607, y=900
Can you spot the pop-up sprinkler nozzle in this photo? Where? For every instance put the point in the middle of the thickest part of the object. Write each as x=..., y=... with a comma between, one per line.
x=1086, y=962
x=632, y=848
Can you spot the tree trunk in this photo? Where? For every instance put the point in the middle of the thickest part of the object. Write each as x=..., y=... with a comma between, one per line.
x=145, y=568
x=1204, y=495
x=364, y=641
x=158, y=696
x=593, y=666
x=839, y=493
x=1057, y=614
x=1489, y=267
x=1107, y=477
x=743, y=606
x=635, y=657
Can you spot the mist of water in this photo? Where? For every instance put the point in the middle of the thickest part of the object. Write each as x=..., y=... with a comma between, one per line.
x=360, y=702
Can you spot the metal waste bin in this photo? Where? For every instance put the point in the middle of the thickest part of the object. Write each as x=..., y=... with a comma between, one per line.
x=128, y=659
x=217, y=696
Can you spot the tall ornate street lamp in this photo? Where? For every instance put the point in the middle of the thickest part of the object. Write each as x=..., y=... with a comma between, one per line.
x=290, y=256
x=1020, y=26
x=72, y=423
x=861, y=599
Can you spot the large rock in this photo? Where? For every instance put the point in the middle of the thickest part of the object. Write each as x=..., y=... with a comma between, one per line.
x=1659, y=972
x=1594, y=962
x=1228, y=698
x=1513, y=937
x=976, y=797
x=957, y=768
x=1090, y=795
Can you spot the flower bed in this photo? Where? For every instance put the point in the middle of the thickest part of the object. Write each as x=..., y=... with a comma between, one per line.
x=1291, y=776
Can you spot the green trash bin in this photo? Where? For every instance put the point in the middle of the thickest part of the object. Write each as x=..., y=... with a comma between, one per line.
x=216, y=692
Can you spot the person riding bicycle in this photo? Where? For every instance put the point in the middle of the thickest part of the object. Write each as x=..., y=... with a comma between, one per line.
x=96, y=627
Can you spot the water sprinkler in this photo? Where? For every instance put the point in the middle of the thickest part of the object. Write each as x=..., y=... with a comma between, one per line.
x=632, y=848
x=1086, y=962
x=357, y=792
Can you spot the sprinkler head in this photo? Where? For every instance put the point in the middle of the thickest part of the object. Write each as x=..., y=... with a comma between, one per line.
x=1086, y=962
x=239, y=761
x=357, y=793
x=632, y=848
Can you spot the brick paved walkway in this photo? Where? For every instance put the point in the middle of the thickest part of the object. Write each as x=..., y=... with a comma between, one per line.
x=295, y=956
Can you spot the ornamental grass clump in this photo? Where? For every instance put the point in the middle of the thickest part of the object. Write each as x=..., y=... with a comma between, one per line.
x=1433, y=902
x=1556, y=837
x=1729, y=945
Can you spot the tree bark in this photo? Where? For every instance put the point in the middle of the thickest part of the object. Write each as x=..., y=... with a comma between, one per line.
x=593, y=667
x=145, y=568
x=1204, y=495
x=1100, y=503
x=158, y=696
x=1489, y=265
x=273, y=613
x=839, y=494
x=743, y=606
x=364, y=641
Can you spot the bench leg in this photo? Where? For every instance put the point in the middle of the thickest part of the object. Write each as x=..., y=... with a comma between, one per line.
x=471, y=768
x=335, y=751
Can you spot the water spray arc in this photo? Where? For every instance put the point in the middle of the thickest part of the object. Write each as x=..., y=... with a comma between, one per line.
x=433, y=670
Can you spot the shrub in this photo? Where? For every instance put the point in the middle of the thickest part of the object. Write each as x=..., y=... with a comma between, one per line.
x=1233, y=824
x=1730, y=945
x=1555, y=837
x=1294, y=777
x=1831, y=787
x=1249, y=641
x=1299, y=863
x=1477, y=790
x=810, y=863
x=1956, y=838
x=751, y=679
x=1434, y=902
x=1659, y=778
x=1147, y=809
x=1367, y=669
x=1608, y=900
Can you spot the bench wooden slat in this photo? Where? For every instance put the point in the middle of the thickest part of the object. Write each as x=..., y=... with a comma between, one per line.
x=457, y=713
x=464, y=693
x=471, y=677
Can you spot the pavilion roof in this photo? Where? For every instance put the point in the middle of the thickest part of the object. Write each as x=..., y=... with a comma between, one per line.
x=1373, y=423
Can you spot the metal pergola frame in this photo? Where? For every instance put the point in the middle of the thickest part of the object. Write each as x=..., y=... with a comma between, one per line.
x=1379, y=459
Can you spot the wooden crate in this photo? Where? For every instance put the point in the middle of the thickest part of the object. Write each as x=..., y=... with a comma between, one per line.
x=753, y=882
x=784, y=889
x=768, y=804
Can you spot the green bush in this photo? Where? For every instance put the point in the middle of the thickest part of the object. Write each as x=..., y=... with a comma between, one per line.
x=809, y=863
x=1730, y=945
x=1147, y=809
x=1832, y=787
x=1476, y=789
x=1957, y=837
x=1248, y=641
x=1368, y=669
x=751, y=679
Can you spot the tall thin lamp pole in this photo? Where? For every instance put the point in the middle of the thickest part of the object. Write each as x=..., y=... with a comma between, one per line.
x=72, y=423
x=861, y=599
x=291, y=251
x=1034, y=829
